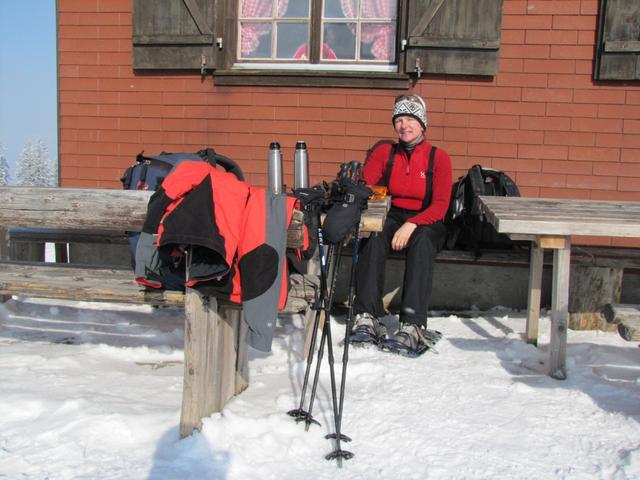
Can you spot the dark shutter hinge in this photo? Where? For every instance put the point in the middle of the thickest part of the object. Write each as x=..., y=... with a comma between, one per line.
x=203, y=66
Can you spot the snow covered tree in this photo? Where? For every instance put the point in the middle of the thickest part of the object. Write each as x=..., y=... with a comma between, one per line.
x=4, y=168
x=34, y=166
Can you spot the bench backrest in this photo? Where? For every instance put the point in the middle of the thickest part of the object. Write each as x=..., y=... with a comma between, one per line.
x=93, y=210
x=73, y=208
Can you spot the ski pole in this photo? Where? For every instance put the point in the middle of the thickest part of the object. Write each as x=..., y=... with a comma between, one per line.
x=338, y=453
x=332, y=373
x=335, y=259
x=300, y=413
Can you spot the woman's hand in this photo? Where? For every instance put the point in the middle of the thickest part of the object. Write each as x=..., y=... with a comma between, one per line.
x=401, y=237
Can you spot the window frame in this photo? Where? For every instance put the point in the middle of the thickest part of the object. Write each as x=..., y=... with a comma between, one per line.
x=348, y=75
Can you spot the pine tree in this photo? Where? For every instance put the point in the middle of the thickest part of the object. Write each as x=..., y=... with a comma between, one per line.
x=4, y=168
x=34, y=166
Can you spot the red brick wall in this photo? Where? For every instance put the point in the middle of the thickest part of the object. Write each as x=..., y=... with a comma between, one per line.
x=542, y=118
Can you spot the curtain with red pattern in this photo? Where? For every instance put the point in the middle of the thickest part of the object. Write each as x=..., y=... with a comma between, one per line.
x=380, y=36
x=251, y=32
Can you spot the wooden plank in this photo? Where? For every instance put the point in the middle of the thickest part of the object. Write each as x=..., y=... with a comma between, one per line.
x=559, y=312
x=535, y=288
x=628, y=46
x=80, y=283
x=425, y=19
x=520, y=215
x=172, y=40
x=551, y=242
x=92, y=209
x=198, y=17
x=476, y=44
x=74, y=208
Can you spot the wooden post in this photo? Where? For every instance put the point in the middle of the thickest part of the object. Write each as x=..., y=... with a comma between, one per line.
x=211, y=359
x=4, y=253
x=535, y=285
x=560, y=311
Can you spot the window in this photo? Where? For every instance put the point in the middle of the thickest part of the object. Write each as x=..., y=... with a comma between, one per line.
x=350, y=43
x=348, y=32
x=618, y=45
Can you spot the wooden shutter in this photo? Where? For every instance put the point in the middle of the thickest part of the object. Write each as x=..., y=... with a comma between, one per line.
x=174, y=34
x=453, y=36
x=618, y=49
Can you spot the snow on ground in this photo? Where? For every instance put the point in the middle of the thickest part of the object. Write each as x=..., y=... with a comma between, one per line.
x=92, y=391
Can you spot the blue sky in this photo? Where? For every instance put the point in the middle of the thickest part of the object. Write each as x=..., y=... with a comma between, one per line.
x=28, y=83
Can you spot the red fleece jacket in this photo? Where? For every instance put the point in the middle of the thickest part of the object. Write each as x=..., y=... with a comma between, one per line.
x=407, y=182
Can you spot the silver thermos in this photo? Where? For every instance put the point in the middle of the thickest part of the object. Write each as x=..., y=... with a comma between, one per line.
x=301, y=166
x=275, y=168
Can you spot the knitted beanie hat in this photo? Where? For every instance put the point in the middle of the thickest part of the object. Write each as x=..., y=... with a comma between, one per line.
x=412, y=106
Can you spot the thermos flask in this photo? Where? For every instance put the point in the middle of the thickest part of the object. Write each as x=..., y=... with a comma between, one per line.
x=275, y=168
x=301, y=166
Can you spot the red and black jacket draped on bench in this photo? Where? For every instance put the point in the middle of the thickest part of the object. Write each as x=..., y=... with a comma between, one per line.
x=237, y=234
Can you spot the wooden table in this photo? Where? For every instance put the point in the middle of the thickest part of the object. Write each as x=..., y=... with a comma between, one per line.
x=550, y=224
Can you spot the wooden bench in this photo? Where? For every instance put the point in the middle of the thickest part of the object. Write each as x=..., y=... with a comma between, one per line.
x=215, y=354
x=627, y=319
x=215, y=362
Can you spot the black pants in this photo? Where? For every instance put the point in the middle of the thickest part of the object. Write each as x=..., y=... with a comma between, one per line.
x=420, y=254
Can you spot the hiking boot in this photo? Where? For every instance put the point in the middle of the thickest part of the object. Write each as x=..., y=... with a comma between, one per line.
x=412, y=340
x=367, y=329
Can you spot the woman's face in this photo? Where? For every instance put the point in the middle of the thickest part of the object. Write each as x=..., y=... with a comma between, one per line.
x=407, y=128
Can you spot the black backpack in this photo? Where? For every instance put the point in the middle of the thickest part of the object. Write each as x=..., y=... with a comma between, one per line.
x=467, y=227
x=147, y=173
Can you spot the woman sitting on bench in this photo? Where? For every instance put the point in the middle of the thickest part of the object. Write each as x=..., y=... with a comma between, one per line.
x=418, y=177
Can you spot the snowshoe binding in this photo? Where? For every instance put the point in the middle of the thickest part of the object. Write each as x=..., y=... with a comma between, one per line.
x=367, y=329
x=411, y=340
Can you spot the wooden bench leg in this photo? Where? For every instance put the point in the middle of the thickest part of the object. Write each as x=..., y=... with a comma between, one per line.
x=560, y=311
x=215, y=368
x=535, y=285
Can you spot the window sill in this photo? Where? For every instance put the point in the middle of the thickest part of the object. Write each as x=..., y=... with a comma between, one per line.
x=300, y=78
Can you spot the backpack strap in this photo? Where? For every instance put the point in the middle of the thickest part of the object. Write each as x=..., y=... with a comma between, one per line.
x=389, y=167
x=476, y=182
x=428, y=195
x=508, y=186
x=209, y=155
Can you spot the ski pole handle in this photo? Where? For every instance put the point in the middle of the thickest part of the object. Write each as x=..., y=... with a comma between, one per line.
x=354, y=166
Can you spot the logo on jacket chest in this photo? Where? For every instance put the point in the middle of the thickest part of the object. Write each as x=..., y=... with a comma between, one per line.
x=423, y=174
